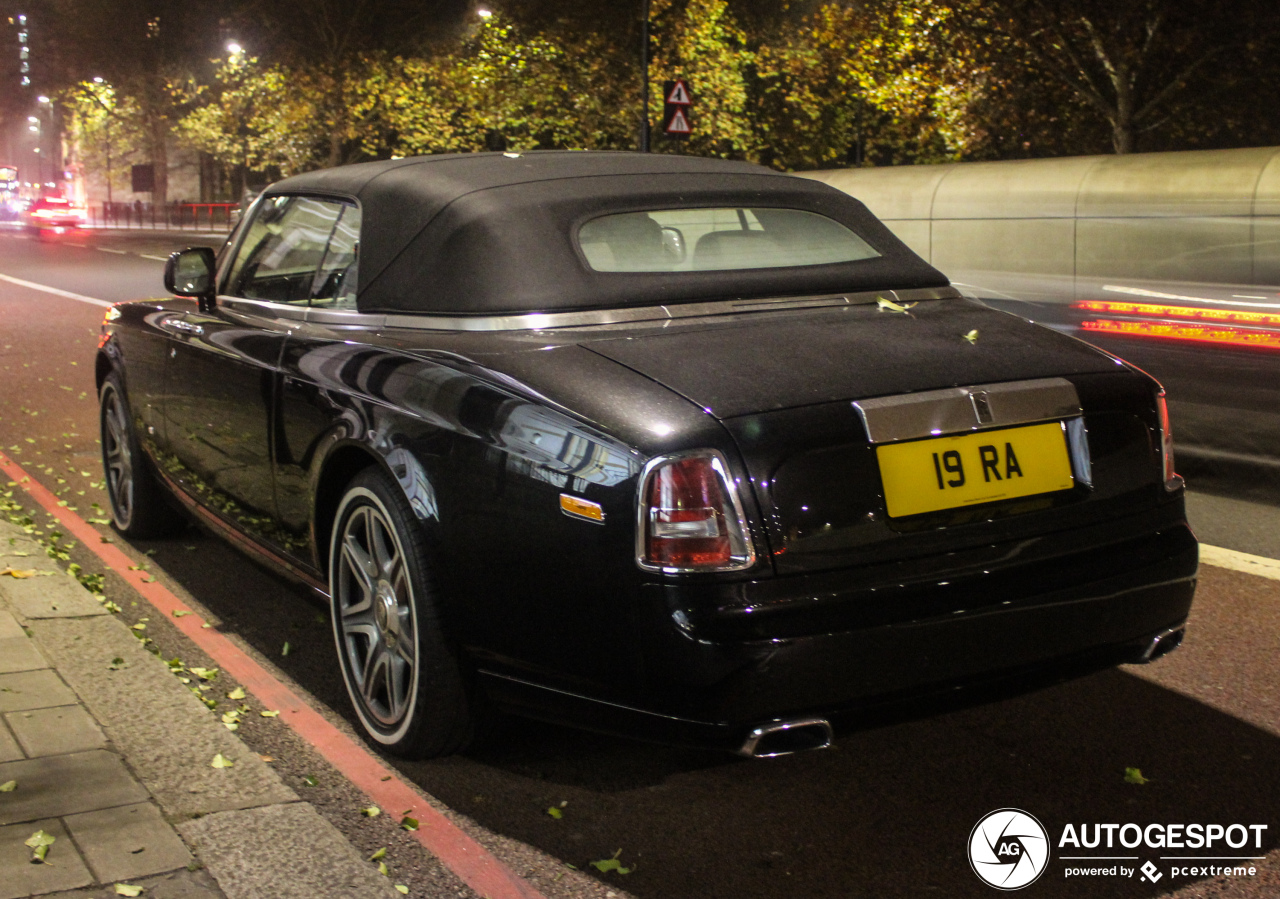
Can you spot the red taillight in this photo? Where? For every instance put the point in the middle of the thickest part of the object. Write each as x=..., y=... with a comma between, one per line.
x=690, y=519
x=1171, y=479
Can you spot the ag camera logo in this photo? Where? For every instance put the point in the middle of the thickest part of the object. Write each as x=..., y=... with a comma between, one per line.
x=1009, y=849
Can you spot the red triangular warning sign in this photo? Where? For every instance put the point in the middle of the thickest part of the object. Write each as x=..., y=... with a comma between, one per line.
x=679, y=124
x=679, y=94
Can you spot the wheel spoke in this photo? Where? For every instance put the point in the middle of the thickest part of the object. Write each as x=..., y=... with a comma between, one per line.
x=398, y=677
x=383, y=547
x=362, y=628
x=374, y=674
x=357, y=560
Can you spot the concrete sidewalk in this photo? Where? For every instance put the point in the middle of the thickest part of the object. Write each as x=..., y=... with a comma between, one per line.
x=105, y=751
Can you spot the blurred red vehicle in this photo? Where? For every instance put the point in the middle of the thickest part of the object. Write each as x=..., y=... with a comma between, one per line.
x=55, y=212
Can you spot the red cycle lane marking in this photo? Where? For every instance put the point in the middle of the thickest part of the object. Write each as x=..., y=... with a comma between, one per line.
x=474, y=864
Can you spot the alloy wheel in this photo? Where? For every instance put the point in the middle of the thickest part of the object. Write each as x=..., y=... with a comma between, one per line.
x=375, y=615
x=118, y=456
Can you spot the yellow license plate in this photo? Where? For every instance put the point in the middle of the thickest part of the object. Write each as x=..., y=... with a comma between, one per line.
x=967, y=469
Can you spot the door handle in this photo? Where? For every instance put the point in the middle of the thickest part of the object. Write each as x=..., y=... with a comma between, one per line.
x=177, y=324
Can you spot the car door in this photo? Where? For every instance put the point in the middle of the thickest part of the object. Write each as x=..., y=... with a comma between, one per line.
x=225, y=363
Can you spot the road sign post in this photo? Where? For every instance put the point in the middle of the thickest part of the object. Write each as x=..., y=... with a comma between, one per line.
x=677, y=98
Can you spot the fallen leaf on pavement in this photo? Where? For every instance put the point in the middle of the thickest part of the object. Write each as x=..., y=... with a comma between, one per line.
x=371, y=812
x=605, y=865
x=221, y=761
x=1134, y=776
x=8, y=786
x=40, y=843
x=128, y=889
x=19, y=572
x=237, y=693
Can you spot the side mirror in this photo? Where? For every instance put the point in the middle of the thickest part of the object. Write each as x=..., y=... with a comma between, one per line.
x=192, y=273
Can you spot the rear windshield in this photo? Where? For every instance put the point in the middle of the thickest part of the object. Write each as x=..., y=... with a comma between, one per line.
x=717, y=239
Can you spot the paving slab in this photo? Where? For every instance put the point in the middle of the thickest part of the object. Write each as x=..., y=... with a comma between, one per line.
x=178, y=885
x=65, y=871
x=17, y=652
x=55, y=731
x=66, y=784
x=283, y=852
x=58, y=595
x=166, y=733
x=9, y=748
x=130, y=842
x=38, y=689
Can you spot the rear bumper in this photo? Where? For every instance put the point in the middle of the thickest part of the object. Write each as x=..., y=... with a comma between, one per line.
x=849, y=645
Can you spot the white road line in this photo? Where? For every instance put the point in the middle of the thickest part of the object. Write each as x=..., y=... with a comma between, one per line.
x=53, y=290
x=1238, y=561
x=156, y=258
x=110, y=250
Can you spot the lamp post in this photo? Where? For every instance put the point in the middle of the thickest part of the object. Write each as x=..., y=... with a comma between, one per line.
x=47, y=104
x=33, y=125
x=644, y=70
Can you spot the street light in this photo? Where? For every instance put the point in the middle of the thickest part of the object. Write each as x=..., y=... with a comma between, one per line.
x=484, y=12
x=53, y=153
x=644, y=73
x=235, y=48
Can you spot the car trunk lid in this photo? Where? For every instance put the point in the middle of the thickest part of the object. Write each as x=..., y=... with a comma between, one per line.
x=793, y=390
x=761, y=362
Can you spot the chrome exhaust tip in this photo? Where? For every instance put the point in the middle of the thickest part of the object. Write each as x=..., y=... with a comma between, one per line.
x=1163, y=643
x=787, y=736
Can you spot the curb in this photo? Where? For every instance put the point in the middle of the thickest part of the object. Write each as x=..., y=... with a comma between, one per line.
x=112, y=752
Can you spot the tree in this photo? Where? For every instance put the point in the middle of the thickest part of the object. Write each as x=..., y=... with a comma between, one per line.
x=1139, y=64
x=498, y=88
x=138, y=48
x=701, y=41
x=250, y=118
x=850, y=84
x=107, y=130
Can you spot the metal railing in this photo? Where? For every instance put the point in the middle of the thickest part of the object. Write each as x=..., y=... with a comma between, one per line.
x=168, y=216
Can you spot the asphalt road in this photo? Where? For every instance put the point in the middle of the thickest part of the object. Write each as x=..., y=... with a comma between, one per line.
x=886, y=813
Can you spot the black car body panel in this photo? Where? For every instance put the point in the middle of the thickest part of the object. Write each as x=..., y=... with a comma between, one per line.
x=258, y=414
x=759, y=363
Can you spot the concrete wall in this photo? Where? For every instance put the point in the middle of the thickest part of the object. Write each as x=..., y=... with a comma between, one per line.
x=1204, y=216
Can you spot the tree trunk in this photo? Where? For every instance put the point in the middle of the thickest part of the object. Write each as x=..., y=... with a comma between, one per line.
x=160, y=161
x=1122, y=125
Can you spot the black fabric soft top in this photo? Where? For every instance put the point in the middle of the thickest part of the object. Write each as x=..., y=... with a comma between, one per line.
x=490, y=233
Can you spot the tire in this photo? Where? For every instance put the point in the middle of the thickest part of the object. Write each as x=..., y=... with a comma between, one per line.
x=403, y=678
x=139, y=507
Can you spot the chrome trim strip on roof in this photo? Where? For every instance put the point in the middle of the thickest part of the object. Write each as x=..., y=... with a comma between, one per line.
x=541, y=321
x=954, y=410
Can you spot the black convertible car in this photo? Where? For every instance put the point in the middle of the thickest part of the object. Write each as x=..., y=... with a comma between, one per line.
x=671, y=447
